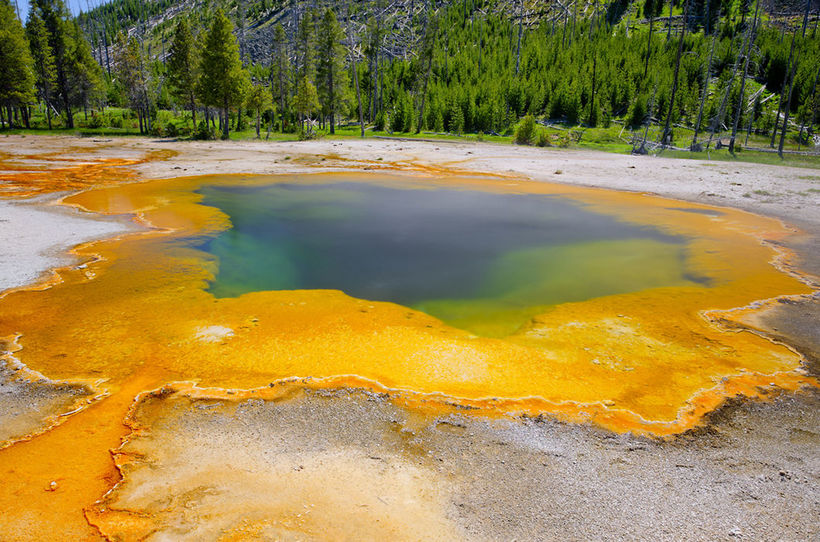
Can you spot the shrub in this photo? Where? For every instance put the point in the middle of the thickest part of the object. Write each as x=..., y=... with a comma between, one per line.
x=308, y=132
x=637, y=114
x=594, y=117
x=203, y=131
x=96, y=121
x=171, y=130
x=157, y=129
x=457, y=120
x=564, y=140
x=526, y=131
x=543, y=139
x=439, y=124
x=380, y=122
x=606, y=118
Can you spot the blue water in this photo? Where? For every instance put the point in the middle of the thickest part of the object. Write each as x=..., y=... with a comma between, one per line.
x=427, y=247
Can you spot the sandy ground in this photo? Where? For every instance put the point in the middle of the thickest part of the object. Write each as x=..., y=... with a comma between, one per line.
x=351, y=465
x=752, y=473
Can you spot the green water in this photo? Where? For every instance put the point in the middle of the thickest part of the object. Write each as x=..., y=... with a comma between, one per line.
x=480, y=261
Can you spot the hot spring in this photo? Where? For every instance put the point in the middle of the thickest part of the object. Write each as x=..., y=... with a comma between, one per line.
x=481, y=261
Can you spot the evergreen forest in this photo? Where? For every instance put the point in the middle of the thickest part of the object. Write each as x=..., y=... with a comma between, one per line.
x=644, y=75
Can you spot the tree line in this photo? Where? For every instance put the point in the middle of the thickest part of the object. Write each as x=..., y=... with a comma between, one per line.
x=714, y=67
x=48, y=63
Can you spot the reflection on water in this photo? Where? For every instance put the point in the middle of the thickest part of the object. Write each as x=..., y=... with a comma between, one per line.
x=481, y=261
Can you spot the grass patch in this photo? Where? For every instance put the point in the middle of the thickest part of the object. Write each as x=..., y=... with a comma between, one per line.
x=615, y=138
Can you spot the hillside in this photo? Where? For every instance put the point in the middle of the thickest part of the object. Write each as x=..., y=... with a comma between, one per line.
x=697, y=68
x=255, y=19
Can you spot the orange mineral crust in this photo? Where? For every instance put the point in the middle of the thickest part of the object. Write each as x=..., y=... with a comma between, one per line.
x=71, y=168
x=641, y=357
x=136, y=317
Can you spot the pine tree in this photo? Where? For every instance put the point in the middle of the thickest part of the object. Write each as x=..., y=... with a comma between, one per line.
x=426, y=57
x=331, y=75
x=259, y=99
x=133, y=75
x=223, y=81
x=352, y=51
x=306, y=100
x=375, y=38
x=666, y=137
x=182, y=65
x=651, y=9
x=55, y=16
x=45, y=72
x=84, y=74
x=306, y=48
x=16, y=74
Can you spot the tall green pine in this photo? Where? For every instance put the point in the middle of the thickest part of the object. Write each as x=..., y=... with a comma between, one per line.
x=331, y=75
x=182, y=67
x=16, y=74
x=223, y=81
x=55, y=16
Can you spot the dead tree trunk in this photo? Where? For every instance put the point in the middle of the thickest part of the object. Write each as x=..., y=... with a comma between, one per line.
x=352, y=52
x=785, y=82
x=520, y=31
x=806, y=17
x=788, y=107
x=648, y=48
x=750, y=39
x=666, y=128
x=695, y=146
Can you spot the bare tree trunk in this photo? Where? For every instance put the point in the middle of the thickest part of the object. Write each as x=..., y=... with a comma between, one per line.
x=520, y=31
x=481, y=41
x=750, y=38
x=372, y=98
x=429, y=46
x=669, y=22
x=564, y=31
x=694, y=145
x=806, y=17
x=352, y=53
x=648, y=48
x=650, y=107
x=725, y=100
x=813, y=103
x=666, y=127
x=788, y=107
x=594, y=81
x=785, y=82
x=193, y=109
x=107, y=58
